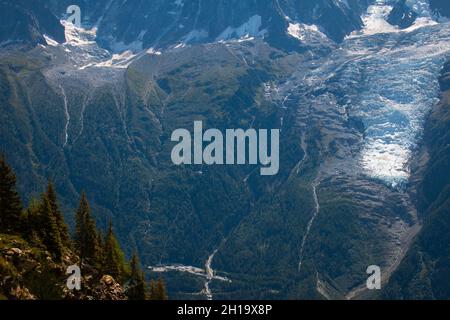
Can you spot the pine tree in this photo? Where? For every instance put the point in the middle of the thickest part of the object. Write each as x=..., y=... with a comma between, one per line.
x=61, y=225
x=158, y=290
x=10, y=204
x=161, y=290
x=114, y=264
x=32, y=222
x=136, y=286
x=152, y=290
x=86, y=242
x=101, y=246
x=49, y=229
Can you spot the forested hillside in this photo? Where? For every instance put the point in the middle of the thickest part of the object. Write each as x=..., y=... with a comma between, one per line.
x=36, y=250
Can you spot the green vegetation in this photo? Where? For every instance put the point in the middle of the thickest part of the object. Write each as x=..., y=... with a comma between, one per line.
x=36, y=249
x=114, y=258
x=118, y=148
x=10, y=206
x=86, y=236
x=157, y=290
x=136, y=286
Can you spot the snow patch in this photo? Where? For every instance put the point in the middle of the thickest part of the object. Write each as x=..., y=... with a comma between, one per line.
x=153, y=51
x=84, y=52
x=375, y=20
x=251, y=28
x=420, y=23
x=121, y=61
x=180, y=45
x=79, y=36
x=50, y=41
x=304, y=32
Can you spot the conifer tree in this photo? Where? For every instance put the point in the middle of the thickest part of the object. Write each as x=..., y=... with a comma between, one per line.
x=114, y=264
x=86, y=241
x=158, y=290
x=101, y=246
x=161, y=290
x=136, y=285
x=10, y=204
x=49, y=229
x=32, y=222
x=61, y=225
x=152, y=290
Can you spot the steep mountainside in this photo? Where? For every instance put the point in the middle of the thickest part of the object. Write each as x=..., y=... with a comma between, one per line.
x=441, y=6
x=28, y=21
x=161, y=23
x=423, y=274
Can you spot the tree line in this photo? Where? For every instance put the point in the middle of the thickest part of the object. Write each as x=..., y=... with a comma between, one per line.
x=42, y=224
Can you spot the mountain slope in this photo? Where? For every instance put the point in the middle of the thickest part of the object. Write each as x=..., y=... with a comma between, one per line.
x=160, y=24
x=424, y=272
x=350, y=107
x=25, y=21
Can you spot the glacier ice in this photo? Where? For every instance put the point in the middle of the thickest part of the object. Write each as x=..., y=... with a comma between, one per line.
x=384, y=76
x=400, y=87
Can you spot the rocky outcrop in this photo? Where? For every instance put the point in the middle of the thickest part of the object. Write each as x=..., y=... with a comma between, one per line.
x=29, y=273
x=109, y=289
x=402, y=15
x=26, y=21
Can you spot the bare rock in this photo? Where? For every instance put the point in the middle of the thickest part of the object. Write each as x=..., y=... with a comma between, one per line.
x=109, y=289
x=20, y=293
x=13, y=252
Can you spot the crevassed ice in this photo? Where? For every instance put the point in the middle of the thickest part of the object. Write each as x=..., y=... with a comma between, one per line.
x=400, y=87
x=398, y=97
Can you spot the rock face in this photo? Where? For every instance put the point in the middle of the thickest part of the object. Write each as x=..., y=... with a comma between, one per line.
x=402, y=15
x=21, y=294
x=161, y=23
x=29, y=273
x=441, y=6
x=445, y=78
x=24, y=270
x=28, y=21
x=406, y=12
x=109, y=289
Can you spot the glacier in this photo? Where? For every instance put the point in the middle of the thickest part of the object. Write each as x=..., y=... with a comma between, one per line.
x=400, y=88
x=385, y=76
